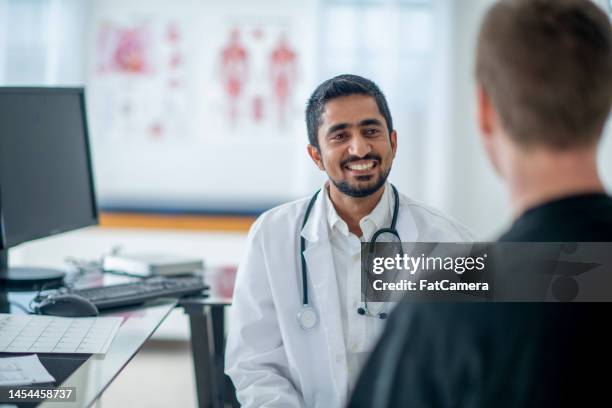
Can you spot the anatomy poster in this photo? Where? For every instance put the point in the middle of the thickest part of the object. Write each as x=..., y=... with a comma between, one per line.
x=139, y=77
x=257, y=72
x=196, y=104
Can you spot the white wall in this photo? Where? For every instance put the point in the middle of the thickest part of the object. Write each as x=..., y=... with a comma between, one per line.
x=478, y=196
x=445, y=167
x=475, y=195
x=452, y=172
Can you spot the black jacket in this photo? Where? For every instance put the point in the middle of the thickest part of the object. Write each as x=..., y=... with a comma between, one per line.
x=501, y=354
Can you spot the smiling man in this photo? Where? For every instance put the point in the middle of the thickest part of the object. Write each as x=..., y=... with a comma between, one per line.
x=299, y=331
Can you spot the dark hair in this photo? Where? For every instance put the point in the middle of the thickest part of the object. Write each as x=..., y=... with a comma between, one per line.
x=336, y=87
x=547, y=67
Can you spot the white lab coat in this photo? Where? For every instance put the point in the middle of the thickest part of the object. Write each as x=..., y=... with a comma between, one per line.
x=271, y=360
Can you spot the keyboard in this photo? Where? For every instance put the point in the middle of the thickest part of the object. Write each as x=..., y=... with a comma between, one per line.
x=134, y=293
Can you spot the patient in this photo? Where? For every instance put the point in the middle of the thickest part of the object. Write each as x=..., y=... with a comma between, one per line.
x=544, y=90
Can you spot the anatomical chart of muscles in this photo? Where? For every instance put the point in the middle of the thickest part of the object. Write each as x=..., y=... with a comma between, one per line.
x=257, y=72
x=151, y=73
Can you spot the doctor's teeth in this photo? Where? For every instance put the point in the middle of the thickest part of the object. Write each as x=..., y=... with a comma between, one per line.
x=361, y=166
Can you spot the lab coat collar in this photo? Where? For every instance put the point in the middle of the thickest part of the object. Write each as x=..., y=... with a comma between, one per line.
x=333, y=219
x=378, y=218
x=313, y=231
x=406, y=225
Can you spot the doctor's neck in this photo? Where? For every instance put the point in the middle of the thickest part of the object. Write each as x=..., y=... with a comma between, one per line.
x=353, y=209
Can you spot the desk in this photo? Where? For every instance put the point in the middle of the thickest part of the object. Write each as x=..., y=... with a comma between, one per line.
x=93, y=376
x=206, y=321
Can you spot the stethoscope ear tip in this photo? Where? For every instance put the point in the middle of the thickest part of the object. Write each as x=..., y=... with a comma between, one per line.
x=382, y=315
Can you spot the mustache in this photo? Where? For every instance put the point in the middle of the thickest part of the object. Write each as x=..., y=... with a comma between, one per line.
x=369, y=156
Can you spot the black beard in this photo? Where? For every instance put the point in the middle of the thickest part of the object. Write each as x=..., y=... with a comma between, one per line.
x=356, y=192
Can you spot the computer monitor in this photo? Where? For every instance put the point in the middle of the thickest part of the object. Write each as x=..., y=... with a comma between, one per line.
x=46, y=179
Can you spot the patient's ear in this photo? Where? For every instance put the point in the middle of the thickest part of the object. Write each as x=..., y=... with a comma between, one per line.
x=315, y=155
x=487, y=122
x=485, y=113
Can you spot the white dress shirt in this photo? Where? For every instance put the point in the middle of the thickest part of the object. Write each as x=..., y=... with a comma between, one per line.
x=361, y=332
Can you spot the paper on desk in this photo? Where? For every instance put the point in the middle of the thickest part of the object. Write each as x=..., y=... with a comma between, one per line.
x=23, y=370
x=52, y=334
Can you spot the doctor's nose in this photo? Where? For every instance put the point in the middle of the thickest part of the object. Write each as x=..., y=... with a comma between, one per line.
x=359, y=146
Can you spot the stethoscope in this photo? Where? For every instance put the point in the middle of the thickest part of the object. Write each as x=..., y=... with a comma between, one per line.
x=307, y=316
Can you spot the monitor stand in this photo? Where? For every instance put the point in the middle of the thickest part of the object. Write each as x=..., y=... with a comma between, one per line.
x=26, y=278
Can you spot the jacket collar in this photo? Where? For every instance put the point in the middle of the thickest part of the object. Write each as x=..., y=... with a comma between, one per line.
x=379, y=218
x=316, y=225
x=317, y=228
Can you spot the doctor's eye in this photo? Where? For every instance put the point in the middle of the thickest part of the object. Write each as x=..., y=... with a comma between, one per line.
x=338, y=136
x=371, y=132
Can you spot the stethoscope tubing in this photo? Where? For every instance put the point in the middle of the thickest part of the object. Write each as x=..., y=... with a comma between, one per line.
x=392, y=230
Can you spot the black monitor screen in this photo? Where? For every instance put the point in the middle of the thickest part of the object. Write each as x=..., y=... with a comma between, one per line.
x=45, y=170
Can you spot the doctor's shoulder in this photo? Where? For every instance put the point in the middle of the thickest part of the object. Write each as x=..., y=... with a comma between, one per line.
x=438, y=225
x=286, y=218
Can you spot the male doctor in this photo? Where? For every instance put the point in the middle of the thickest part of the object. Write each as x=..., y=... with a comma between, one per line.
x=299, y=331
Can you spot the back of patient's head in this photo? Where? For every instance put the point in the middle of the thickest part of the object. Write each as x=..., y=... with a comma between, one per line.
x=546, y=66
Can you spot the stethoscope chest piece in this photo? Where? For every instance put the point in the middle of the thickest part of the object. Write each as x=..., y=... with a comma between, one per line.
x=307, y=317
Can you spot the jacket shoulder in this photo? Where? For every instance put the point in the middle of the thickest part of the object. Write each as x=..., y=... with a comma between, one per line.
x=430, y=219
x=281, y=217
